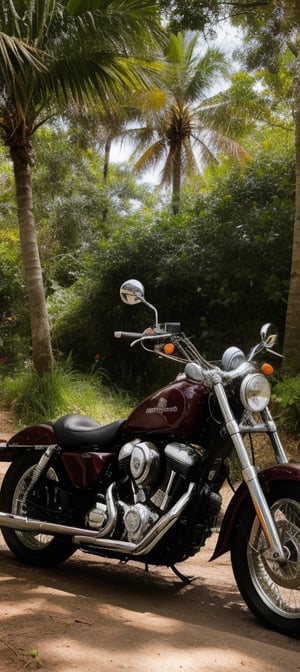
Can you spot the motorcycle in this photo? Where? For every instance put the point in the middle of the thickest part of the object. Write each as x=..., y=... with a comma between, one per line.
x=147, y=488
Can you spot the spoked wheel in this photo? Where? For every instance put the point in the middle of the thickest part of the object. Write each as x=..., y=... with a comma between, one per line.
x=35, y=548
x=271, y=589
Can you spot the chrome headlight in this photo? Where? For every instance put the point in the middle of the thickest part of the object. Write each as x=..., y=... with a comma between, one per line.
x=255, y=392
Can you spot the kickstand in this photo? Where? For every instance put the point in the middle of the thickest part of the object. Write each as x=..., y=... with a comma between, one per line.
x=182, y=577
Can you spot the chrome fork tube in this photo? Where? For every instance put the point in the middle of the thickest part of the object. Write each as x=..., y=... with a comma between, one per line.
x=250, y=477
x=279, y=451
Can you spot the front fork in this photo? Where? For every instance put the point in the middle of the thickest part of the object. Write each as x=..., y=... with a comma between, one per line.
x=250, y=477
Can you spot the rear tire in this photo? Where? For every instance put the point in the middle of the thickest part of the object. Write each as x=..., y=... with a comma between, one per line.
x=34, y=548
x=270, y=589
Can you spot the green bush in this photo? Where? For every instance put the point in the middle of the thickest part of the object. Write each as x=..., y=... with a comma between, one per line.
x=14, y=318
x=286, y=398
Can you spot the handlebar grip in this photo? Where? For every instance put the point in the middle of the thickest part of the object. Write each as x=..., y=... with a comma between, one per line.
x=127, y=334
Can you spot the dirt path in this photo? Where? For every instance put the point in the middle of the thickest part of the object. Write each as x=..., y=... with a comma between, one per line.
x=7, y=427
x=93, y=615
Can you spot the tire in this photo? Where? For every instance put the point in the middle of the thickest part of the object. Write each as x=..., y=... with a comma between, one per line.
x=271, y=590
x=35, y=548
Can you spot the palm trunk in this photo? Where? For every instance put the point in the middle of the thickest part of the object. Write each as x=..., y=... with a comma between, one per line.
x=42, y=355
x=176, y=181
x=107, y=149
x=291, y=348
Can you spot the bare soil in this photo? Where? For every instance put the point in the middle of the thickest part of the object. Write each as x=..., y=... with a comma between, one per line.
x=95, y=615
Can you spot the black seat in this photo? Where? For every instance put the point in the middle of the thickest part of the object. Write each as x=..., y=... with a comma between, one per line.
x=80, y=431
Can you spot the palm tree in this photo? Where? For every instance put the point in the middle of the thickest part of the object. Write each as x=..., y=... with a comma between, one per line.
x=48, y=58
x=184, y=128
x=291, y=349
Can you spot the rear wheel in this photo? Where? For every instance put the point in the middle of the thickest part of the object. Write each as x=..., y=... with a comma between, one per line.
x=271, y=589
x=35, y=548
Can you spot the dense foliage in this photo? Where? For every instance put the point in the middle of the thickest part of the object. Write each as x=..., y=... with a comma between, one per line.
x=286, y=398
x=221, y=268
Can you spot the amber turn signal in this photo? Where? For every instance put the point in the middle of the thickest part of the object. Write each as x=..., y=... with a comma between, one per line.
x=267, y=369
x=169, y=348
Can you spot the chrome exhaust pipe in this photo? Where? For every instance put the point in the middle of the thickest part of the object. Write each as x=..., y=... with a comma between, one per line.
x=83, y=536
x=150, y=539
x=43, y=527
x=31, y=525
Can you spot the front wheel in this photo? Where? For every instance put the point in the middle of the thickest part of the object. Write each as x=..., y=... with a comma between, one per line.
x=270, y=589
x=35, y=548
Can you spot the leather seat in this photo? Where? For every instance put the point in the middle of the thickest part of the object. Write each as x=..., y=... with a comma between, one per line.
x=80, y=431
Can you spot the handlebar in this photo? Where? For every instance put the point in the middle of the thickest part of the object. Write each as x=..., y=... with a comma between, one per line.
x=127, y=334
x=153, y=340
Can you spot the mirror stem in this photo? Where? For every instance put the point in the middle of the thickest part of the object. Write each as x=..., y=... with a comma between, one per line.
x=152, y=308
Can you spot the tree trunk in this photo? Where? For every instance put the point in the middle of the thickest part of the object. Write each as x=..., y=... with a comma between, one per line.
x=176, y=180
x=291, y=348
x=107, y=149
x=42, y=355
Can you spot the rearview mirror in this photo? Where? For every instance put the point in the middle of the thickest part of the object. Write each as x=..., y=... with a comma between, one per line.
x=132, y=291
x=269, y=335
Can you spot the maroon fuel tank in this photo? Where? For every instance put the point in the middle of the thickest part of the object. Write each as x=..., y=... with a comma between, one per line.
x=180, y=408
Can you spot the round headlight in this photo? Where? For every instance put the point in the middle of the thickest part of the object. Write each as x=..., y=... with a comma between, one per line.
x=255, y=392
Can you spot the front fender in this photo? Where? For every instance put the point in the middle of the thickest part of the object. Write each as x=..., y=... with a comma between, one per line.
x=278, y=472
x=36, y=436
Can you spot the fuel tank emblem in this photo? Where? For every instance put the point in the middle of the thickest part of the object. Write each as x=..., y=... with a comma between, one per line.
x=162, y=407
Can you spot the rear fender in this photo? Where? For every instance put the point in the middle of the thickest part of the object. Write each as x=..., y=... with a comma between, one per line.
x=281, y=472
x=36, y=437
x=83, y=468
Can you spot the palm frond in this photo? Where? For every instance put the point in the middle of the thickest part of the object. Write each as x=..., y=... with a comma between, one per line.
x=190, y=165
x=166, y=175
x=16, y=56
x=131, y=22
x=210, y=70
x=205, y=151
x=149, y=159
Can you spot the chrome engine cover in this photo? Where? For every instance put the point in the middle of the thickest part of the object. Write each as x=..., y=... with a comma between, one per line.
x=97, y=517
x=137, y=519
x=153, y=482
x=141, y=459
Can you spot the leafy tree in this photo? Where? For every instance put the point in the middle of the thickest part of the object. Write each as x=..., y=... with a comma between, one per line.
x=184, y=127
x=189, y=14
x=12, y=321
x=272, y=30
x=48, y=58
x=181, y=15
x=70, y=197
x=97, y=125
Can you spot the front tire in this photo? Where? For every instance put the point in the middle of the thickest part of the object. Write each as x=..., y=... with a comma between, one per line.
x=270, y=589
x=35, y=548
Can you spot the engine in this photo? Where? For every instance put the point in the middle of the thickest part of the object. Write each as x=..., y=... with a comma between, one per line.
x=152, y=481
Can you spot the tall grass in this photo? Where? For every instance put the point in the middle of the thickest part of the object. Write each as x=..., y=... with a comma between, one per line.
x=32, y=399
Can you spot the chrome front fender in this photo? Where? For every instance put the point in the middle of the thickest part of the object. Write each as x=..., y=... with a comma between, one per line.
x=280, y=472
